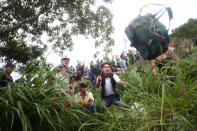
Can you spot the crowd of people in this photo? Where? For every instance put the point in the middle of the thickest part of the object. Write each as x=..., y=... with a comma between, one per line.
x=97, y=74
x=104, y=74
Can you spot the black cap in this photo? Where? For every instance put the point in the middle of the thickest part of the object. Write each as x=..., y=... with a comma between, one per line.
x=82, y=85
x=106, y=63
x=10, y=65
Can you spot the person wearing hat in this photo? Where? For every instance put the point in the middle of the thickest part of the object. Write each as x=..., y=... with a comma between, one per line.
x=64, y=71
x=64, y=63
x=5, y=76
x=85, y=98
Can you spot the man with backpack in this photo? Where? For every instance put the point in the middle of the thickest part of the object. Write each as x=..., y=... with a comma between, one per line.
x=162, y=60
x=108, y=81
x=148, y=35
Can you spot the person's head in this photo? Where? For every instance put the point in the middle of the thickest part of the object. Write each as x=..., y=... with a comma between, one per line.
x=129, y=52
x=91, y=62
x=86, y=69
x=65, y=61
x=9, y=67
x=97, y=62
x=106, y=68
x=82, y=88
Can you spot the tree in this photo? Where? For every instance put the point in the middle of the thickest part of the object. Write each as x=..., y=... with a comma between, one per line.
x=20, y=52
x=187, y=30
x=22, y=21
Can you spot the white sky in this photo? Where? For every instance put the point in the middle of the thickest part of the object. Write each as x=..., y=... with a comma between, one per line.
x=124, y=11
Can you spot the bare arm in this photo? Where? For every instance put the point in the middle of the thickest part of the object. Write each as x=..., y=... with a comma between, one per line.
x=173, y=55
x=98, y=82
x=90, y=100
x=152, y=63
x=117, y=79
x=123, y=83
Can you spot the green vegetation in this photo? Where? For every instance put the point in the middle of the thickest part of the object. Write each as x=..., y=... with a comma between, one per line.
x=160, y=102
x=184, y=36
x=25, y=22
x=35, y=102
x=187, y=30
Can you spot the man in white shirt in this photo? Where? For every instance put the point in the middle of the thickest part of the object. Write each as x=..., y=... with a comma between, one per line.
x=109, y=93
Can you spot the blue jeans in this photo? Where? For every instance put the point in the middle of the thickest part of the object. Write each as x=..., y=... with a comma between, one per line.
x=91, y=107
x=113, y=100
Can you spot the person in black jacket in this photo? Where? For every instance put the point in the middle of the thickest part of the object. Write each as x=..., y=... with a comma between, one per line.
x=109, y=93
x=5, y=76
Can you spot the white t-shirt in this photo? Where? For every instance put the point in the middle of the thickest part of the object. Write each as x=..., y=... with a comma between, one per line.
x=108, y=85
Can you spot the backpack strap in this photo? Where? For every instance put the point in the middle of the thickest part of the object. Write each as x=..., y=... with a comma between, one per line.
x=170, y=14
x=149, y=50
x=134, y=38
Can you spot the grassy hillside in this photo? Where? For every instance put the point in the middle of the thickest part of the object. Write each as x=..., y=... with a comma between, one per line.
x=161, y=102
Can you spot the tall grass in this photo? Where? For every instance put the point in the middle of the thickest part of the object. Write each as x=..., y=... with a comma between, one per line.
x=158, y=102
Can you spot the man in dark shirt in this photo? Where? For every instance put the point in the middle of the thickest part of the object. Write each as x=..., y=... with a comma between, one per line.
x=5, y=76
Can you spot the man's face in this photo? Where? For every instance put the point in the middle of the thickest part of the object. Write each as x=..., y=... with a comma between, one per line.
x=83, y=90
x=65, y=62
x=9, y=69
x=106, y=69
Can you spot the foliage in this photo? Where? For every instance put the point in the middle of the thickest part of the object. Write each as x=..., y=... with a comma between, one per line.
x=20, y=52
x=162, y=102
x=187, y=30
x=24, y=21
x=184, y=36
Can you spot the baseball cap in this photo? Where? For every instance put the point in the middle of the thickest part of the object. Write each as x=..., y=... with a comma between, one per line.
x=82, y=85
x=65, y=58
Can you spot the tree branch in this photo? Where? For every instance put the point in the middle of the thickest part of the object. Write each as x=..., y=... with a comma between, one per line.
x=17, y=26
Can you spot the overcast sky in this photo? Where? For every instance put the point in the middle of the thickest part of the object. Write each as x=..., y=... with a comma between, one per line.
x=124, y=11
